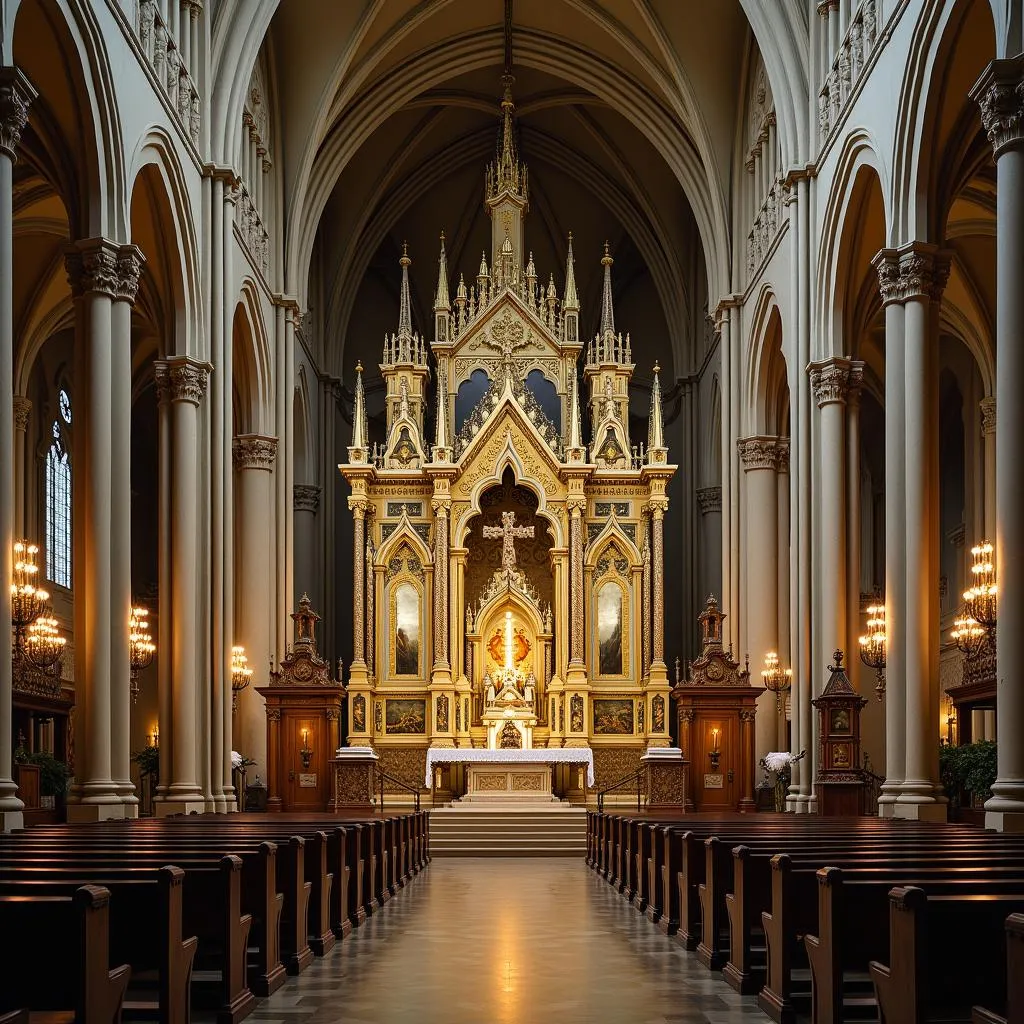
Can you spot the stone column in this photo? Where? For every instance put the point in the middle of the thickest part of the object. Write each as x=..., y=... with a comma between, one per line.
x=305, y=501
x=22, y=414
x=182, y=381
x=441, y=507
x=725, y=501
x=371, y=600
x=853, y=522
x=16, y=94
x=575, y=507
x=886, y=262
x=1000, y=93
x=129, y=268
x=93, y=275
x=988, y=438
x=709, y=501
x=760, y=458
x=785, y=560
x=253, y=456
x=923, y=275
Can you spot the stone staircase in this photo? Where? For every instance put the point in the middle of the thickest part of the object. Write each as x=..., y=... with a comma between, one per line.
x=528, y=830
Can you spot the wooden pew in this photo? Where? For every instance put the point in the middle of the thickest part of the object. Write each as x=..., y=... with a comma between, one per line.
x=1014, y=978
x=946, y=952
x=75, y=934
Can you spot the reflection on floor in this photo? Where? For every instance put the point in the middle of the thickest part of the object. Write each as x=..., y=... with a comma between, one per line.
x=497, y=941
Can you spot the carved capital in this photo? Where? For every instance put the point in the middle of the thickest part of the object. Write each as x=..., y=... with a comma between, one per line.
x=988, y=414
x=576, y=506
x=358, y=506
x=305, y=497
x=92, y=266
x=658, y=507
x=709, y=499
x=830, y=380
x=916, y=270
x=999, y=92
x=253, y=451
x=22, y=411
x=16, y=96
x=762, y=453
x=129, y=270
x=181, y=379
x=441, y=506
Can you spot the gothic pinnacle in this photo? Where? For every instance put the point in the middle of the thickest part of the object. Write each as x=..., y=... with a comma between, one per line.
x=575, y=431
x=441, y=301
x=404, y=305
x=570, y=299
x=607, y=308
x=441, y=434
x=655, y=427
x=359, y=411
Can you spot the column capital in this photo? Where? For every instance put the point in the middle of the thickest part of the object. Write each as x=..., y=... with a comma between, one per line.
x=16, y=96
x=915, y=270
x=181, y=379
x=830, y=380
x=100, y=265
x=576, y=506
x=761, y=452
x=999, y=92
x=254, y=451
x=358, y=506
x=658, y=507
x=441, y=506
x=22, y=411
x=305, y=497
x=709, y=499
x=988, y=414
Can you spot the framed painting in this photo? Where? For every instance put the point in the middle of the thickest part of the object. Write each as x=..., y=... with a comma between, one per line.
x=613, y=716
x=405, y=716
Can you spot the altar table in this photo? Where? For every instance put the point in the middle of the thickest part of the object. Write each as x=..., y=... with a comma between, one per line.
x=522, y=769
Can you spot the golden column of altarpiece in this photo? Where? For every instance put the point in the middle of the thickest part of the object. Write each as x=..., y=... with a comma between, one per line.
x=508, y=579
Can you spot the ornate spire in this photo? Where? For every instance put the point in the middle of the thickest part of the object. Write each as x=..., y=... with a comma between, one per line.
x=507, y=174
x=607, y=309
x=404, y=305
x=570, y=298
x=655, y=425
x=441, y=434
x=359, y=413
x=441, y=301
x=575, y=431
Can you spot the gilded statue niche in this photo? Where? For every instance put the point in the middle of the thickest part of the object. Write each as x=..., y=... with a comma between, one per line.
x=405, y=629
x=611, y=610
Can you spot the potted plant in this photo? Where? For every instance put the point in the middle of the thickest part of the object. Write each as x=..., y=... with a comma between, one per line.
x=54, y=777
x=967, y=773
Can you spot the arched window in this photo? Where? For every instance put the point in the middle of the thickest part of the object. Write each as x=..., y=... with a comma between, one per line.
x=58, y=498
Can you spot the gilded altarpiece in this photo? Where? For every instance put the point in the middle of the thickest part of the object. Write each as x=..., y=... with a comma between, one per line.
x=506, y=568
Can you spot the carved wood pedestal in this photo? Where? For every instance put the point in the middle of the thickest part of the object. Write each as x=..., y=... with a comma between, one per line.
x=840, y=786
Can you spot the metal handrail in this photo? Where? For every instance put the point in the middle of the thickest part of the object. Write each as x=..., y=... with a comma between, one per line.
x=635, y=777
x=382, y=775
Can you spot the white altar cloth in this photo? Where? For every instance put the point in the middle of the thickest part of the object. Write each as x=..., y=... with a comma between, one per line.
x=554, y=755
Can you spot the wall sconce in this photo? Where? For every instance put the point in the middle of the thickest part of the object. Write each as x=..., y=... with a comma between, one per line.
x=140, y=647
x=873, y=645
x=241, y=674
x=950, y=721
x=153, y=738
x=775, y=679
x=715, y=752
x=305, y=754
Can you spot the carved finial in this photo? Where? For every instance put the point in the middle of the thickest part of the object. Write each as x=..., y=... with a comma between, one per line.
x=655, y=424
x=570, y=300
x=359, y=412
x=607, y=307
x=442, y=304
x=404, y=305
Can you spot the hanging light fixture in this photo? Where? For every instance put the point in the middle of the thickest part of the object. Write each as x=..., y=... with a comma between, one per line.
x=140, y=647
x=980, y=598
x=969, y=635
x=873, y=645
x=28, y=601
x=775, y=679
x=241, y=674
x=44, y=645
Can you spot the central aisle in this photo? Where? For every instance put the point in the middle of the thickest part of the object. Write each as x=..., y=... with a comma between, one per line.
x=504, y=941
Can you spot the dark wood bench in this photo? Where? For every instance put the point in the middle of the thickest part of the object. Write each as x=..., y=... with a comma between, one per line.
x=69, y=931
x=1014, y=1013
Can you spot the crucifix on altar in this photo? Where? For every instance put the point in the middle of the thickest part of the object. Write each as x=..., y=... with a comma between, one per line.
x=508, y=531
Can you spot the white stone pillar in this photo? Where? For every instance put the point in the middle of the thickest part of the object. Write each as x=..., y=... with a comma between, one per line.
x=853, y=523
x=1000, y=93
x=22, y=415
x=93, y=275
x=725, y=501
x=709, y=501
x=988, y=439
x=785, y=560
x=922, y=276
x=16, y=94
x=760, y=457
x=282, y=496
x=305, y=502
x=182, y=382
x=254, y=458
x=129, y=267
x=886, y=262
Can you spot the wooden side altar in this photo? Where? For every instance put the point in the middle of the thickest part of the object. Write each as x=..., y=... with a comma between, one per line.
x=303, y=722
x=717, y=706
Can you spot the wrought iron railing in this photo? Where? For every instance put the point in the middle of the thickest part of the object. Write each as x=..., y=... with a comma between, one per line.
x=383, y=776
x=637, y=777
x=872, y=788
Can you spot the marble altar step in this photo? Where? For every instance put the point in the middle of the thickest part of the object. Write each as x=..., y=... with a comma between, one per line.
x=472, y=830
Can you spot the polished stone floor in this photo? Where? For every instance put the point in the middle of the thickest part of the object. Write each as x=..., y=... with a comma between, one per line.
x=498, y=941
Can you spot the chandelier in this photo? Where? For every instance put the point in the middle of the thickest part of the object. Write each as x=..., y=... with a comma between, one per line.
x=241, y=674
x=775, y=679
x=28, y=601
x=140, y=647
x=44, y=646
x=873, y=645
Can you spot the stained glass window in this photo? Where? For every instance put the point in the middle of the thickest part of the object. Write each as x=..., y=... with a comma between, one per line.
x=58, y=502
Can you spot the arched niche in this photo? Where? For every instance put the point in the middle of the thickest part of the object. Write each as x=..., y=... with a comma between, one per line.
x=612, y=594
x=405, y=617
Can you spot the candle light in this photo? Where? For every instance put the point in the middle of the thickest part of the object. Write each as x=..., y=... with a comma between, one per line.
x=714, y=738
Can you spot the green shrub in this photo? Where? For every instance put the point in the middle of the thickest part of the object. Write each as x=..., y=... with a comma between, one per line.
x=54, y=775
x=148, y=760
x=970, y=768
